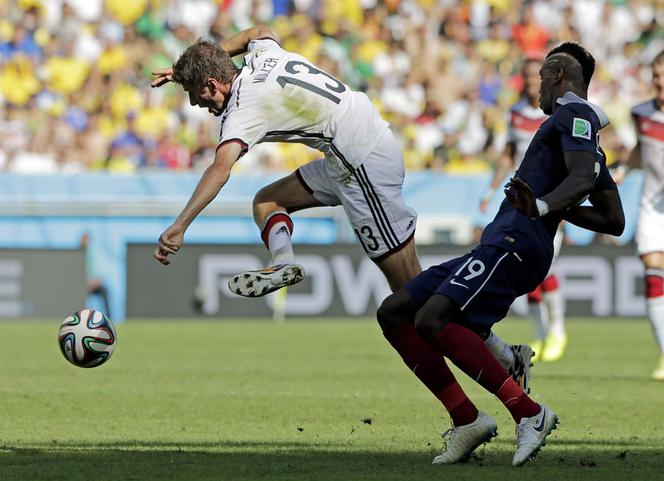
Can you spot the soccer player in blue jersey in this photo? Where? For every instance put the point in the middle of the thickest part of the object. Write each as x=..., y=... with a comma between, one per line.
x=447, y=308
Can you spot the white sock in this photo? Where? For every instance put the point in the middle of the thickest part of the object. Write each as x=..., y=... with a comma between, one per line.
x=654, y=288
x=554, y=302
x=279, y=243
x=656, y=314
x=500, y=349
x=539, y=319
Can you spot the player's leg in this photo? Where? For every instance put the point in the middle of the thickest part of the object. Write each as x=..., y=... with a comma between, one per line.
x=373, y=199
x=400, y=266
x=650, y=244
x=556, y=340
x=480, y=293
x=540, y=321
x=396, y=319
x=517, y=359
x=654, y=266
x=437, y=322
x=385, y=226
x=396, y=316
x=272, y=206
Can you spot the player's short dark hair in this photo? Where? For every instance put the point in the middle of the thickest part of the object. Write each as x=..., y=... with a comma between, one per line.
x=580, y=54
x=201, y=61
x=659, y=58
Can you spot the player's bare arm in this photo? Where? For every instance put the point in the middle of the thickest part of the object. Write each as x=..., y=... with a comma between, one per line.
x=605, y=215
x=213, y=179
x=633, y=162
x=235, y=45
x=504, y=165
x=238, y=43
x=578, y=184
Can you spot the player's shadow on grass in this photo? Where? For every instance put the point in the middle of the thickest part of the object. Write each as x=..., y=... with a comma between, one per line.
x=586, y=442
x=294, y=461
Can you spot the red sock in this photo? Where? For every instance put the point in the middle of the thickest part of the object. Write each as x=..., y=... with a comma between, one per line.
x=536, y=295
x=430, y=368
x=516, y=400
x=468, y=352
x=550, y=283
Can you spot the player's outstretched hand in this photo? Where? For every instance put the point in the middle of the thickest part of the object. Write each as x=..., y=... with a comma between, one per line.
x=169, y=244
x=521, y=196
x=161, y=77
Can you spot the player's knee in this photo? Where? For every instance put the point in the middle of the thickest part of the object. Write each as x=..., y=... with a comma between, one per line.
x=263, y=196
x=390, y=313
x=431, y=319
x=428, y=324
x=653, y=260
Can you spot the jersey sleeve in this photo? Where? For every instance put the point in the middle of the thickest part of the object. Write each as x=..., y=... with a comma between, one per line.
x=244, y=126
x=604, y=181
x=577, y=129
x=265, y=43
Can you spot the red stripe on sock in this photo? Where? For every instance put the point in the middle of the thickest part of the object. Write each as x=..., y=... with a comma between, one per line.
x=550, y=283
x=516, y=400
x=272, y=220
x=654, y=286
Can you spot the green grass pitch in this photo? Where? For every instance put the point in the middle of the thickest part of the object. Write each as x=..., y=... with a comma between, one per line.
x=317, y=400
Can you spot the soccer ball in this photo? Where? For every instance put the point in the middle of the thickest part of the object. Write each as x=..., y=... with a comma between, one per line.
x=87, y=338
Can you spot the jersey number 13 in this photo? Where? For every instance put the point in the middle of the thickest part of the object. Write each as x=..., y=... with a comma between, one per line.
x=292, y=67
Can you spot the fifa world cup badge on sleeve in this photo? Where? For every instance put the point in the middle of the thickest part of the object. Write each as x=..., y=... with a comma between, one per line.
x=581, y=128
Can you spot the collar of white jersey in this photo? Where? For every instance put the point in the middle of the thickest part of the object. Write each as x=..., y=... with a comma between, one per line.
x=572, y=98
x=238, y=80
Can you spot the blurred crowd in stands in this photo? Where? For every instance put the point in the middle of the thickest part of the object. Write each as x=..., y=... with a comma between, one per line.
x=75, y=74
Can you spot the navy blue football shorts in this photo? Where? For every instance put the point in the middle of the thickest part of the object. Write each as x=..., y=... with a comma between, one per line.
x=483, y=283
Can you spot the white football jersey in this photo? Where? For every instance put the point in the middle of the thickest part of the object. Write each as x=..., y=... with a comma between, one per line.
x=280, y=96
x=649, y=124
x=522, y=123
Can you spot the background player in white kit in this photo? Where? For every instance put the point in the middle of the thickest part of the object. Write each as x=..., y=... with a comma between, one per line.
x=279, y=96
x=649, y=155
x=545, y=303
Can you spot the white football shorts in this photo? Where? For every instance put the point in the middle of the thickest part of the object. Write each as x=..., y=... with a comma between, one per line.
x=371, y=196
x=650, y=229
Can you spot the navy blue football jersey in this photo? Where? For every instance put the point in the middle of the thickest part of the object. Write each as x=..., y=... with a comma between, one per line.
x=573, y=126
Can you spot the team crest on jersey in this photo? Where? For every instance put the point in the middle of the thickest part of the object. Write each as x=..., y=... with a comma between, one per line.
x=581, y=128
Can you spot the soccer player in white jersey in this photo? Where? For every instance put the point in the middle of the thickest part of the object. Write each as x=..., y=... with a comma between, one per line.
x=649, y=154
x=545, y=303
x=279, y=96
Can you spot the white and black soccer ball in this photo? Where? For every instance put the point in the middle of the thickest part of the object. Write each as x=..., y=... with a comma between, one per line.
x=87, y=338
